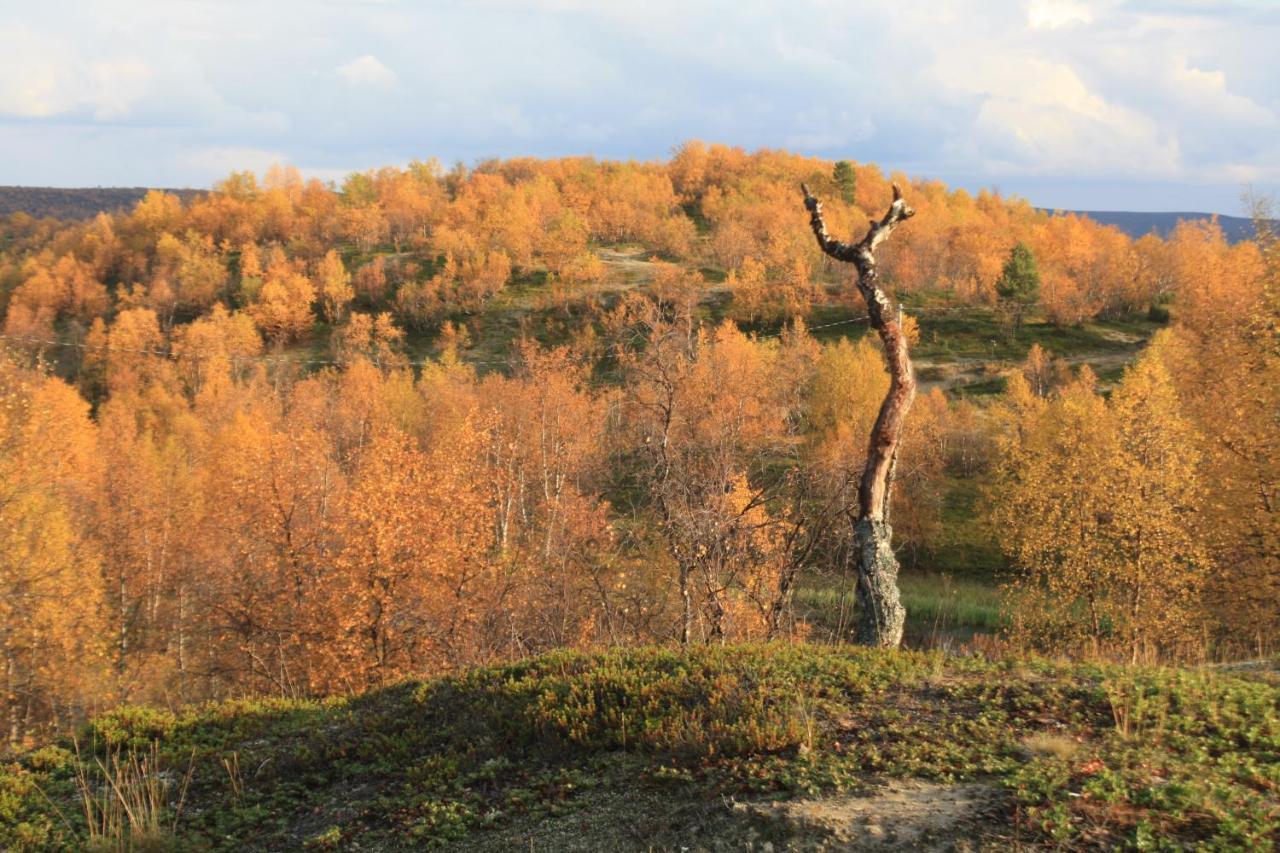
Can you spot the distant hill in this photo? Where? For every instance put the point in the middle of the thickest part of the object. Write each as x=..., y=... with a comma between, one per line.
x=77, y=203
x=1137, y=224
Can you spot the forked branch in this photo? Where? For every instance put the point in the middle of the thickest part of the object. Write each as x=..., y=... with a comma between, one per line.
x=864, y=250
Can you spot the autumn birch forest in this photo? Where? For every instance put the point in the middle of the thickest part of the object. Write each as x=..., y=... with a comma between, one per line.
x=294, y=439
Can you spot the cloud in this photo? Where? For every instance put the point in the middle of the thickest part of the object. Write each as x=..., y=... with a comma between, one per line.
x=44, y=77
x=214, y=163
x=366, y=71
x=1039, y=117
x=1052, y=14
x=1043, y=96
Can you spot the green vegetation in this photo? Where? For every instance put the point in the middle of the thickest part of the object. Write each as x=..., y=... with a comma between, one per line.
x=499, y=757
x=965, y=546
x=1019, y=284
x=938, y=606
x=949, y=334
x=846, y=180
x=950, y=331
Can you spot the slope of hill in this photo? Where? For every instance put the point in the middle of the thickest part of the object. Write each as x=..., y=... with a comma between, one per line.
x=720, y=748
x=77, y=203
x=1136, y=224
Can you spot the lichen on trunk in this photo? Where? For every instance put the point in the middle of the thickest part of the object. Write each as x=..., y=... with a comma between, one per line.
x=881, y=616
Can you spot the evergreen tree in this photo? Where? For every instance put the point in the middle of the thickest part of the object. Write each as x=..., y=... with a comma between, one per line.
x=1019, y=284
x=846, y=180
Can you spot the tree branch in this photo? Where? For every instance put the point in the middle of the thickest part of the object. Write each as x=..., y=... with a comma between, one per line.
x=862, y=252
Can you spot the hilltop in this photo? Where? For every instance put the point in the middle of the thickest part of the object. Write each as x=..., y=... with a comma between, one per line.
x=86, y=202
x=805, y=747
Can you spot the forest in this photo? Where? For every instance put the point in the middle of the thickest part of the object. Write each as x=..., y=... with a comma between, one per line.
x=296, y=439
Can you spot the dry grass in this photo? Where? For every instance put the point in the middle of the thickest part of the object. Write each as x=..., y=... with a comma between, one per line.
x=129, y=801
x=1048, y=745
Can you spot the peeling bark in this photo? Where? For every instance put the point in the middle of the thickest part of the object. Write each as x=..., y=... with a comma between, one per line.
x=882, y=615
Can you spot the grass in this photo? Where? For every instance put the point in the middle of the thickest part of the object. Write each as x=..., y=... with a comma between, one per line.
x=497, y=757
x=964, y=545
x=950, y=333
x=942, y=600
x=939, y=607
x=128, y=800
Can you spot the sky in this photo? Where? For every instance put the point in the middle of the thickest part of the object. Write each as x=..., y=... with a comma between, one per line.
x=1083, y=104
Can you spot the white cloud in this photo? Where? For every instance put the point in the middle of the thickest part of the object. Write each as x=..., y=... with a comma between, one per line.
x=1039, y=117
x=45, y=77
x=1207, y=92
x=215, y=163
x=366, y=70
x=1052, y=14
x=113, y=87
x=1023, y=92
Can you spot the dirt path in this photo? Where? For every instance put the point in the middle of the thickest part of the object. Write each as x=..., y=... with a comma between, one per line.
x=907, y=814
x=950, y=375
x=633, y=266
x=628, y=266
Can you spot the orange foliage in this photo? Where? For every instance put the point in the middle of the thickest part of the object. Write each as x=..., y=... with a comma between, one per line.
x=334, y=516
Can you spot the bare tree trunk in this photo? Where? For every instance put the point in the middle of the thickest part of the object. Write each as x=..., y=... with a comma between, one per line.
x=882, y=615
x=14, y=724
x=686, y=604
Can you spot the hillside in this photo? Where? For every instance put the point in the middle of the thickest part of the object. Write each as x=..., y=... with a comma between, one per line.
x=805, y=747
x=76, y=203
x=296, y=440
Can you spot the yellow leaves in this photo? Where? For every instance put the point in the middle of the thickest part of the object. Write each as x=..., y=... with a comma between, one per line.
x=677, y=287
x=192, y=268
x=911, y=329
x=335, y=286
x=583, y=269
x=1095, y=501
x=849, y=383
x=283, y=307
x=1223, y=358
x=209, y=349
x=158, y=211
x=410, y=527
x=48, y=566
x=750, y=287
x=50, y=291
x=458, y=285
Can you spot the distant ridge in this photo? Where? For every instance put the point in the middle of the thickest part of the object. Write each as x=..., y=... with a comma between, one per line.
x=1137, y=224
x=75, y=203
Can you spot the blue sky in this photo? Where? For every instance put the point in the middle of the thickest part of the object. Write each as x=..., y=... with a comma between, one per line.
x=1103, y=104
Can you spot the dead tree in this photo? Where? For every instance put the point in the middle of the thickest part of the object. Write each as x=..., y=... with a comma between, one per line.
x=882, y=615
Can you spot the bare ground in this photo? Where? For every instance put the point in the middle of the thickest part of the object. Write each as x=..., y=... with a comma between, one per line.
x=907, y=814
x=897, y=815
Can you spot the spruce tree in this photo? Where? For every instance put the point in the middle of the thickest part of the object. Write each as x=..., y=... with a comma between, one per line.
x=1019, y=284
x=846, y=180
